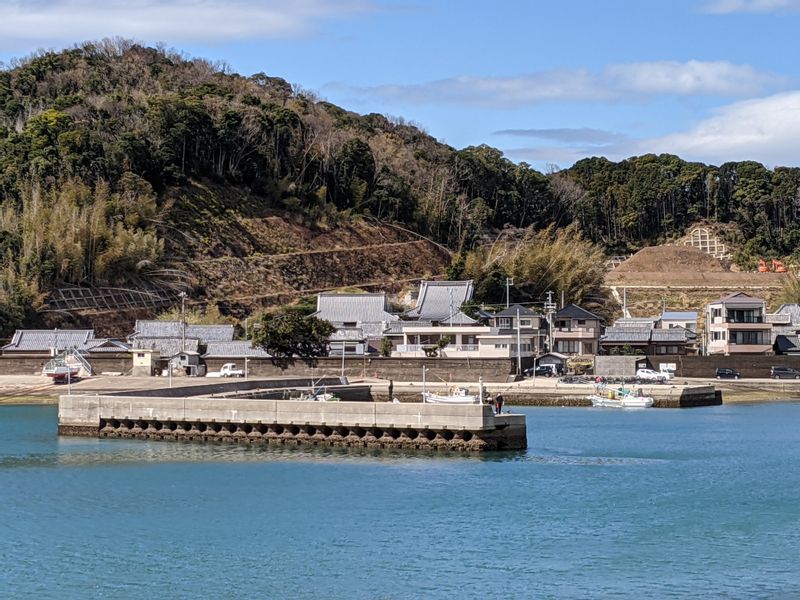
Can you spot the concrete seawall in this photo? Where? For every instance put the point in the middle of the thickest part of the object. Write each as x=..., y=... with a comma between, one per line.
x=466, y=428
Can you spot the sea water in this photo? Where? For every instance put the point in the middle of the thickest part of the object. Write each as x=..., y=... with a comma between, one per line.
x=603, y=504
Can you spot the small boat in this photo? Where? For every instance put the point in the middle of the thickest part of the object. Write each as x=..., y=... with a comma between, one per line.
x=61, y=373
x=608, y=397
x=454, y=396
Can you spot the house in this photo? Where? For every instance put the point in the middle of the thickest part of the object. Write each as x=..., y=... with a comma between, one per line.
x=647, y=340
x=785, y=329
x=171, y=338
x=737, y=324
x=360, y=321
x=530, y=324
x=672, y=319
x=49, y=342
x=576, y=331
x=463, y=337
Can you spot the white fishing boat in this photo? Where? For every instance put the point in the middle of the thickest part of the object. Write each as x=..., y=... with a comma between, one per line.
x=455, y=395
x=61, y=372
x=608, y=397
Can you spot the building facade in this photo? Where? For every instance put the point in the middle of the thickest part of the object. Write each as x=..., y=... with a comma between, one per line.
x=737, y=324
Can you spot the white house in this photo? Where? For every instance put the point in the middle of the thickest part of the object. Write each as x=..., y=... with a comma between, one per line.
x=737, y=324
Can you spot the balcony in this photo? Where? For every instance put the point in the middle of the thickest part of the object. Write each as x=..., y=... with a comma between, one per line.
x=588, y=333
x=745, y=319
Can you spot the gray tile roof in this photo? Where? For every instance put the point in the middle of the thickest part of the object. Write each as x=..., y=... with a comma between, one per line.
x=573, y=311
x=354, y=308
x=173, y=329
x=623, y=335
x=511, y=311
x=676, y=334
x=106, y=346
x=42, y=340
x=167, y=347
x=437, y=300
x=738, y=298
x=235, y=349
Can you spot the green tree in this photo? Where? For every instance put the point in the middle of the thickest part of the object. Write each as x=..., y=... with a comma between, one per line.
x=288, y=334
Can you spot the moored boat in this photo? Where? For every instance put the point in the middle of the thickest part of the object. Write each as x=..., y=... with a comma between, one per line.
x=454, y=396
x=608, y=397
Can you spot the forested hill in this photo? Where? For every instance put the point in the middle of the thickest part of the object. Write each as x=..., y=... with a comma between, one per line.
x=104, y=146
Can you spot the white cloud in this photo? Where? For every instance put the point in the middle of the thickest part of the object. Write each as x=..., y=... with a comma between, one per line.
x=614, y=83
x=57, y=21
x=694, y=77
x=724, y=7
x=765, y=129
x=568, y=135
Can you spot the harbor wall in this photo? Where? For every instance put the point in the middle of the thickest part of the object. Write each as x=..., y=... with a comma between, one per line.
x=241, y=420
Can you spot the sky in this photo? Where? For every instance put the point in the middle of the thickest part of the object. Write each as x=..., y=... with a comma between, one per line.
x=548, y=83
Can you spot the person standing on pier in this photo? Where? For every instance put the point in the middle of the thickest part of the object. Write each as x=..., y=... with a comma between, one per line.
x=498, y=403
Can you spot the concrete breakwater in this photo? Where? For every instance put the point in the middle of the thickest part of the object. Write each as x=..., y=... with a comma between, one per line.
x=463, y=428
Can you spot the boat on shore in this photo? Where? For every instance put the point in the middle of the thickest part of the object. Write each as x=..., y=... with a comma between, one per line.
x=61, y=373
x=608, y=397
x=456, y=395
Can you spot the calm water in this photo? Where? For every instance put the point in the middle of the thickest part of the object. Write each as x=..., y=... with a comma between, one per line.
x=604, y=504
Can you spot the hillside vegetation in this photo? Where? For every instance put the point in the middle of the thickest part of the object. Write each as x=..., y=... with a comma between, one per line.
x=122, y=165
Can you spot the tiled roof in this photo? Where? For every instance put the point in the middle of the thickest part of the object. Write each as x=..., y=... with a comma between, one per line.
x=106, y=346
x=676, y=334
x=679, y=316
x=511, y=311
x=738, y=298
x=235, y=349
x=354, y=308
x=173, y=329
x=167, y=347
x=42, y=340
x=438, y=299
x=622, y=335
x=573, y=311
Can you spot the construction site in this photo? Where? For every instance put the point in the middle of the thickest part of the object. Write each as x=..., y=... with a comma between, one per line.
x=688, y=275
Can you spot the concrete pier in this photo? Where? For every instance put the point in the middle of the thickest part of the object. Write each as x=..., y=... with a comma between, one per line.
x=463, y=428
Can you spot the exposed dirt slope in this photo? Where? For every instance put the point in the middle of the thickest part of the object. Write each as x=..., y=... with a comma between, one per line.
x=671, y=259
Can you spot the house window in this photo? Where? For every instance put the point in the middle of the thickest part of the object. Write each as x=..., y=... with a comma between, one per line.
x=524, y=322
x=568, y=346
x=140, y=355
x=504, y=323
x=349, y=323
x=581, y=321
x=716, y=312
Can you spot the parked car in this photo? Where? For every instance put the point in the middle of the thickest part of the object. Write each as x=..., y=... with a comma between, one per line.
x=784, y=373
x=726, y=373
x=651, y=376
x=543, y=371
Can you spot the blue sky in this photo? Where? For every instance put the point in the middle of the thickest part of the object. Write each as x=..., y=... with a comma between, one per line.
x=546, y=82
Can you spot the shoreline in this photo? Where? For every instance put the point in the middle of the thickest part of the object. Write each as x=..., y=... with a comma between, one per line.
x=36, y=391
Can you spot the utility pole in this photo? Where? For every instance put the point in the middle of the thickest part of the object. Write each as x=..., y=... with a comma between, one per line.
x=519, y=347
x=549, y=310
x=509, y=283
x=183, y=321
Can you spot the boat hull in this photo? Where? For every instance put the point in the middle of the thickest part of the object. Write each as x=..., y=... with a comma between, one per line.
x=626, y=402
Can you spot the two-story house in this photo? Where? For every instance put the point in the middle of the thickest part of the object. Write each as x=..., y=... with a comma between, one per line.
x=360, y=321
x=736, y=324
x=576, y=331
